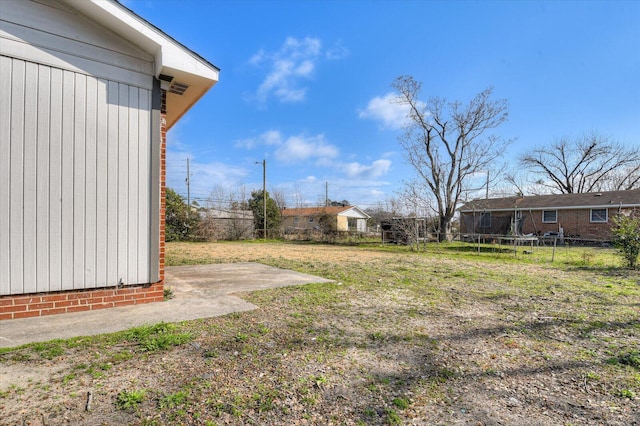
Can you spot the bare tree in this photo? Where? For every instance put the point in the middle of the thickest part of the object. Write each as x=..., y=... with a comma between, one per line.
x=226, y=215
x=280, y=196
x=586, y=164
x=298, y=197
x=217, y=198
x=623, y=180
x=447, y=143
x=518, y=182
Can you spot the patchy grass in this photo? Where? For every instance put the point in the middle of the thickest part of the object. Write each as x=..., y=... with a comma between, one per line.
x=442, y=336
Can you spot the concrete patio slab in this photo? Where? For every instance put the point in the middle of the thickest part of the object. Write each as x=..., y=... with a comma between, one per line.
x=200, y=291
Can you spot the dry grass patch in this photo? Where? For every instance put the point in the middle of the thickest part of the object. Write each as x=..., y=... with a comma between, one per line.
x=443, y=337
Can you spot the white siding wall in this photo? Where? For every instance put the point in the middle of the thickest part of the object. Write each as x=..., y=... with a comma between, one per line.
x=75, y=190
x=50, y=33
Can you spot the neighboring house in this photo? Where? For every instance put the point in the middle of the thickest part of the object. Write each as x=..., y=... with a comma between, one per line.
x=348, y=218
x=88, y=91
x=226, y=224
x=585, y=216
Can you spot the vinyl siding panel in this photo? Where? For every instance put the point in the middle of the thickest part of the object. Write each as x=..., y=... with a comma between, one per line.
x=42, y=177
x=123, y=181
x=102, y=167
x=47, y=32
x=75, y=187
x=133, y=184
x=112, y=183
x=5, y=169
x=16, y=178
x=91, y=163
x=79, y=176
x=54, y=179
x=144, y=188
x=30, y=177
x=68, y=104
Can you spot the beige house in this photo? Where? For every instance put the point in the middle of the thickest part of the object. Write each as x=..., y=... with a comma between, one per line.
x=347, y=218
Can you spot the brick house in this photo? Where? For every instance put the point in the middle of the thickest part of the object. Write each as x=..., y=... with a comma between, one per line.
x=347, y=218
x=89, y=90
x=584, y=216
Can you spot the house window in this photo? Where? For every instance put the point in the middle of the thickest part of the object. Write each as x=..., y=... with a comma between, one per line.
x=599, y=215
x=295, y=220
x=485, y=220
x=311, y=220
x=549, y=216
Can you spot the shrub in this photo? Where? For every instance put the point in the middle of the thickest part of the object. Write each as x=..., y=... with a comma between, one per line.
x=626, y=237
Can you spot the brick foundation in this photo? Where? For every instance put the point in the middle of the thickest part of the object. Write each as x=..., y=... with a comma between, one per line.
x=41, y=304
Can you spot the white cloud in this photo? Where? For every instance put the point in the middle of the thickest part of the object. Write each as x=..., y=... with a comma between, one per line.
x=300, y=148
x=204, y=176
x=288, y=68
x=272, y=137
x=269, y=138
x=360, y=171
x=257, y=58
x=248, y=143
x=392, y=115
x=338, y=51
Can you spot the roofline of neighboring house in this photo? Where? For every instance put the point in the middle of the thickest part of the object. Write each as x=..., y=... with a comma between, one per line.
x=321, y=210
x=172, y=60
x=510, y=209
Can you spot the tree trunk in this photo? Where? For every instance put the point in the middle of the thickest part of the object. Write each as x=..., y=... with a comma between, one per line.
x=444, y=233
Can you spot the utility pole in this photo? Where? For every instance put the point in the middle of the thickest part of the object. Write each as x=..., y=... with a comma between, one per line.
x=487, y=193
x=188, y=181
x=264, y=197
x=326, y=194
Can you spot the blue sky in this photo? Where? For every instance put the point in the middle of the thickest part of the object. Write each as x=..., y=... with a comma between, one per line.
x=305, y=84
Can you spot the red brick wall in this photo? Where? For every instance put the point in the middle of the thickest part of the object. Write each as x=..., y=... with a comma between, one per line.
x=576, y=223
x=35, y=305
x=163, y=181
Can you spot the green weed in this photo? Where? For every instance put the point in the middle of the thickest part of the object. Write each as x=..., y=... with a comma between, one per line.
x=174, y=400
x=626, y=393
x=630, y=358
x=241, y=337
x=129, y=400
x=49, y=350
x=158, y=337
x=400, y=403
x=392, y=418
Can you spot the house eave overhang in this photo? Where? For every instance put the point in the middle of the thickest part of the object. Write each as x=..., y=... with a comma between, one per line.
x=172, y=61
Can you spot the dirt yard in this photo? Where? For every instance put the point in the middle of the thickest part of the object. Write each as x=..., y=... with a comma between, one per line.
x=434, y=338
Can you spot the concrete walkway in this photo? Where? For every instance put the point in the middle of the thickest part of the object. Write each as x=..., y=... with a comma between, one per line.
x=201, y=291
